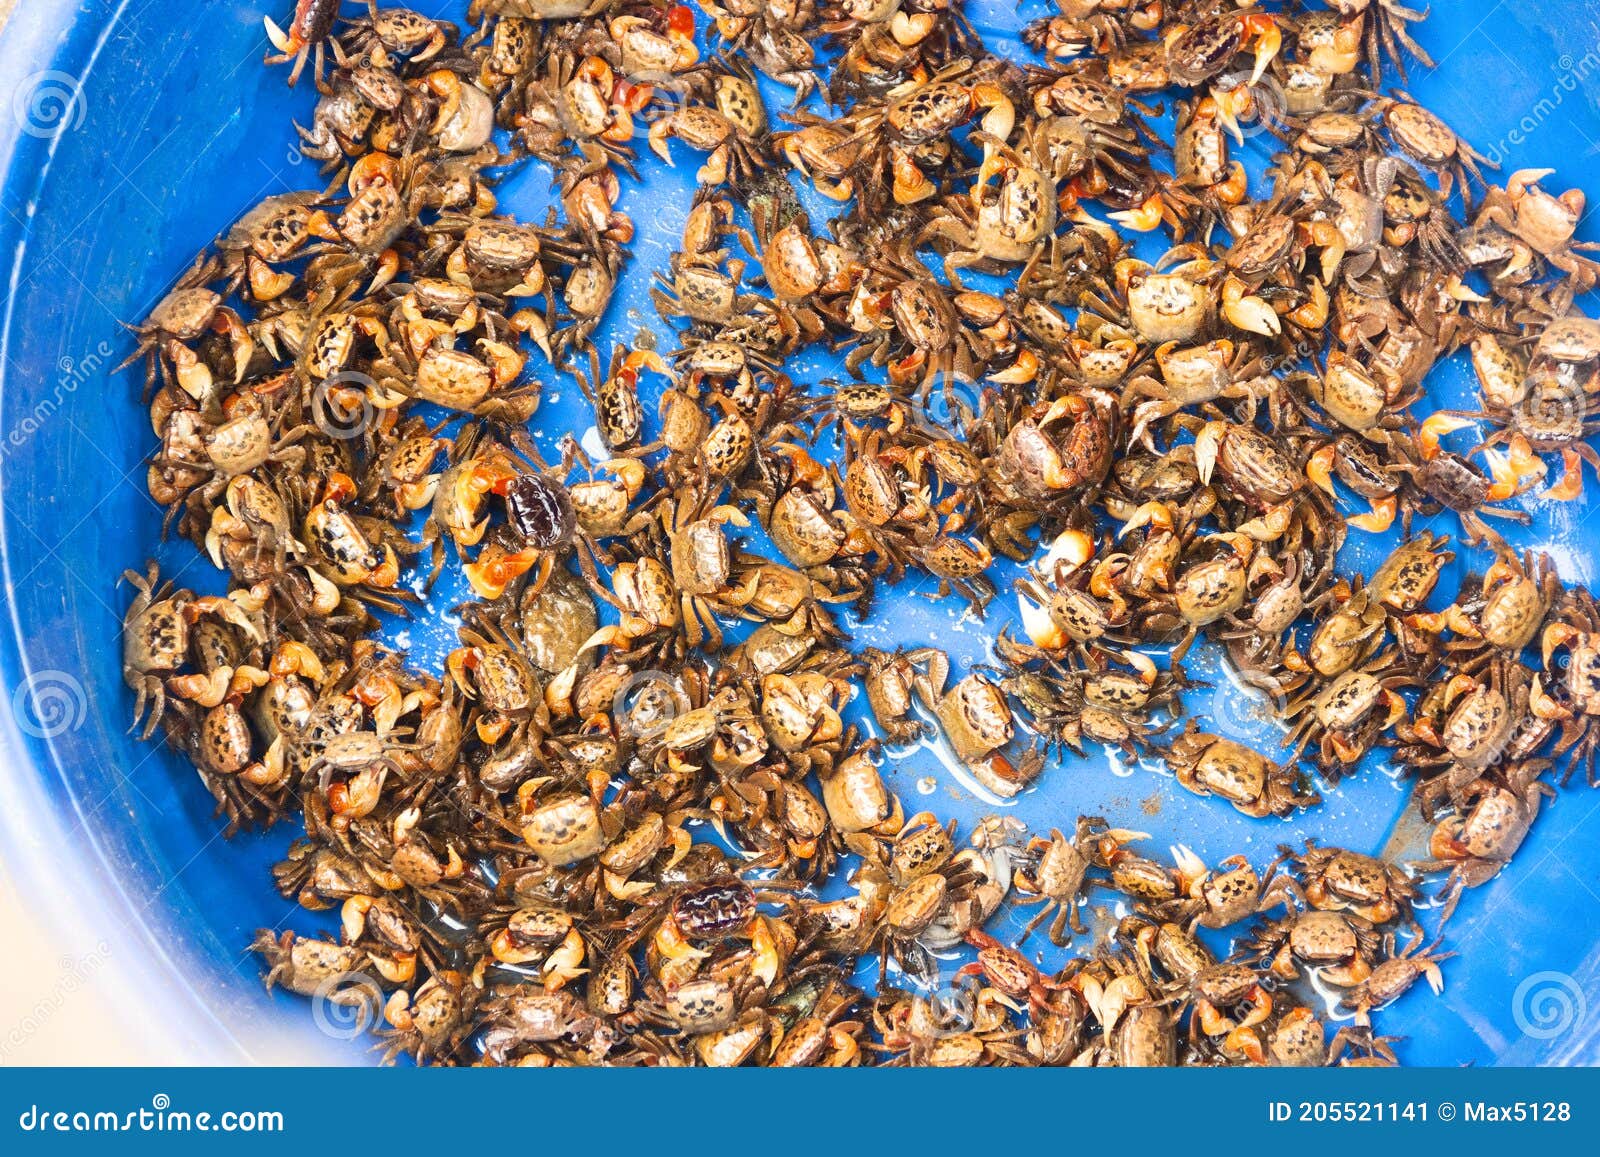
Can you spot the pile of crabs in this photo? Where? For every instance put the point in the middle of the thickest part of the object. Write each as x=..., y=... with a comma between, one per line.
x=605, y=832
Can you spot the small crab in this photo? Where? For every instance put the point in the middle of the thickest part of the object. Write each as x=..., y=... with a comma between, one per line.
x=894, y=680
x=1214, y=765
x=1339, y=880
x=1453, y=482
x=976, y=719
x=1344, y=718
x=1422, y=135
x=1337, y=946
x=310, y=32
x=1495, y=816
x=1395, y=975
x=1545, y=222
x=1574, y=698
x=1057, y=876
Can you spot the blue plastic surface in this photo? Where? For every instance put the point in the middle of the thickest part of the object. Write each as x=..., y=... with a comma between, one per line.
x=141, y=132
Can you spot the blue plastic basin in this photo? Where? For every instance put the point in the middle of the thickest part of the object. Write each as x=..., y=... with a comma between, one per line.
x=142, y=131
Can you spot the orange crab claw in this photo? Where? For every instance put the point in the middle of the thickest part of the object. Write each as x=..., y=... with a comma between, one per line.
x=388, y=268
x=1062, y=407
x=1262, y=28
x=1556, y=635
x=1343, y=52
x=903, y=371
x=1248, y=311
x=371, y=169
x=1020, y=372
x=489, y=578
x=1346, y=751
x=374, y=688
x=1506, y=483
x=1000, y=116
x=458, y=663
x=338, y=488
x=206, y=690
x=807, y=469
x=1072, y=547
x=1232, y=188
x=447, y=85
x=1457, y=686
x=994, y=163
x=387, y=572
x=910, y=30
x=1524, y=462
x=1271, y=525
x=1434, y=428
x=1190, y=868
x=1260, y=1001
x=594, y=70
x=288, y=43
x=766, y=961
x=1347, y=975
x=1103, y=583
x=1452, y=618
x=1226, y=105
x=1246, y=1042
x=1571, y=484
x=1213, y=1021
x=910, y=183
x=1314, y=313
x=1042, y=630
x=486, y=476
x=321, y=226
x=636, y=360
x=1543, y=705
x=1156, y=514
x=613, y=636
x=1397, y=708
x=266, y=283
x=1206, y=445
x=1146, y=217
x=680, y=31
x=1143, y=665
x=1379, y=519
x=294, y=658
x=622, y=129
x=1500, y=570
x=1428, y=733
x=631, y=97
x=1319, y=468
x=492, y=729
